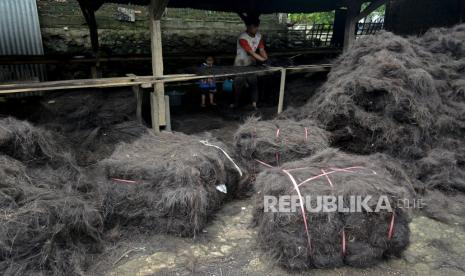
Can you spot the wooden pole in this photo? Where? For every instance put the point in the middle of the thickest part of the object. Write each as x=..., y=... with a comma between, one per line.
x=156, y=10
x=281, y=91
x=144, y=81
x=138, y=94
x=89, y=15
x=353, y=10
x=168, y=113
x=155, y=119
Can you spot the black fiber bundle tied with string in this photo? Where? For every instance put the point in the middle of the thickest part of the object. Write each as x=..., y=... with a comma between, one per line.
x=301, y=240
x=278, y=141
x=169, y=183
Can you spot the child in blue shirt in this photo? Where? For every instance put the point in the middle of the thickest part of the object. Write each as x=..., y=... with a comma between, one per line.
x=208, y=86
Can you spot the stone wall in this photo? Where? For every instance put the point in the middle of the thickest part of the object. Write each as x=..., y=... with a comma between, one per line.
x=64, y=30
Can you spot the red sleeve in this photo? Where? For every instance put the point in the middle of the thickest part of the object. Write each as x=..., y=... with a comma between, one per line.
x=244, y=44
x=261, y=45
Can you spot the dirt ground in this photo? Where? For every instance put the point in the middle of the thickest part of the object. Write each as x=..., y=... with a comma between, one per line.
x=228, y=245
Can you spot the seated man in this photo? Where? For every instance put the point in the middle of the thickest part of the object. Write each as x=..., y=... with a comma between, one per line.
x=248, y=44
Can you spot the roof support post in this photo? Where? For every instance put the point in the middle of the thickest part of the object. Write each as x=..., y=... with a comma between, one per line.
x=89, y=15
x=461, y=10
x=353, y=10
x=156, y=9
x=282, y=87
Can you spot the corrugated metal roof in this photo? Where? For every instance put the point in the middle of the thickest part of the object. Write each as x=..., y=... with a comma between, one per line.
x=20, y=35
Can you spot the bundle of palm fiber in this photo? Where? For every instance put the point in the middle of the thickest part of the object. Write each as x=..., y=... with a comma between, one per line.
x=395, y=95
x=29, y=144
x=443, y=168
x=169, y=183
x=49, y=233
x=13, y=181
x=47, y=227
x=278, y=141
x=50, y=219
x=313, y=238
x=99, y=121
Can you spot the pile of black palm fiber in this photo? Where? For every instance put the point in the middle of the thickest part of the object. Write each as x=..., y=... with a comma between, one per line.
x=93, y=122
x=333, y=238
x=169, y=183
x=404, y=96
x=50, y=221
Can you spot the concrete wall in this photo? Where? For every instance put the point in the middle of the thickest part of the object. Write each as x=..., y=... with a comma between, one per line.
x=184, y=30
x=409, y=17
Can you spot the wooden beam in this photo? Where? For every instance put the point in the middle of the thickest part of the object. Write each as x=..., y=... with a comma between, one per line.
x=36, y=59
x=353, y=10
x=140, y=80
x=156, y=9
x=281, y=91
x=369, y=9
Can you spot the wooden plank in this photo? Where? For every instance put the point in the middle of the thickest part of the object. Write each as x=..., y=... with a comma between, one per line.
x=178, y=79
x=353, y=11
x=78, y=82
x=154, y=115
x=168, y=113
x=281, y=91
x=138, y=93
x=21, y=59
x=138, y=80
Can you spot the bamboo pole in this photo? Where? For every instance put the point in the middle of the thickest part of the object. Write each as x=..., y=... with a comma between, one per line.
x=281, y=91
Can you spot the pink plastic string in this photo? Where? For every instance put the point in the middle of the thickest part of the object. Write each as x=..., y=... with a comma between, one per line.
x=327, y=178
x=277, y=151
x=391, y=227
x=264, y=164
x=304, y=216
x=328, y=173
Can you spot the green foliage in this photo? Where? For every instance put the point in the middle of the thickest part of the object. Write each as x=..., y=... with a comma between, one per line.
x=376, y=14
x=312, y=18
x=328, y=17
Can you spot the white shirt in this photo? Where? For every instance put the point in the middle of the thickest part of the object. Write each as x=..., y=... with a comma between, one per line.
x=242, y=57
